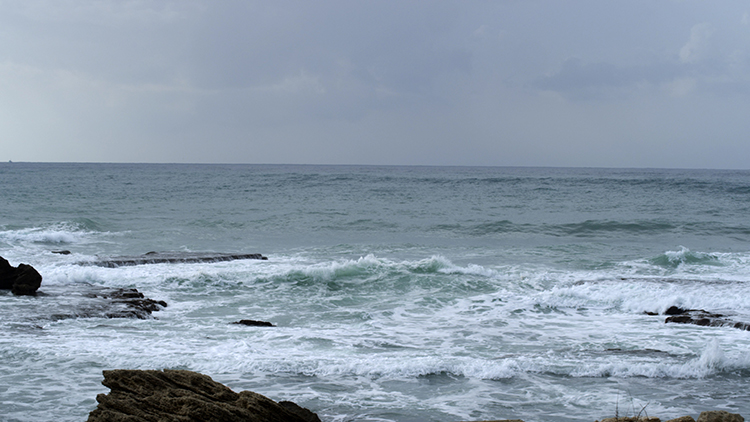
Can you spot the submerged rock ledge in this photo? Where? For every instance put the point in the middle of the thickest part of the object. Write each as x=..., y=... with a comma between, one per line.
x=179, y=395
x=170, y=258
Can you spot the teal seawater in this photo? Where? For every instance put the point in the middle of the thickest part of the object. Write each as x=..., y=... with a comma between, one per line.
x=399, y=293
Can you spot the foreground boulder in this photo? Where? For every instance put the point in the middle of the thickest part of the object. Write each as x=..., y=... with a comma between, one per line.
x=178, y=395
x=23, y=280
x=720, y=416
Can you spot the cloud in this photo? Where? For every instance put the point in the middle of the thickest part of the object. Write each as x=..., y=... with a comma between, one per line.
x=577, y=80
x=681, y=87
x=698, y=44
x=391, y=81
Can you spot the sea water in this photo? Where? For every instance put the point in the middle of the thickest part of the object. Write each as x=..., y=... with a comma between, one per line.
x=398, y=293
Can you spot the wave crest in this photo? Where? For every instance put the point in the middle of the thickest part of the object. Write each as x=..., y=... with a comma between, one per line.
x=684, y=256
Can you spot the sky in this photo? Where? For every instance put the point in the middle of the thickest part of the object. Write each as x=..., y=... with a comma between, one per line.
x=585, y=83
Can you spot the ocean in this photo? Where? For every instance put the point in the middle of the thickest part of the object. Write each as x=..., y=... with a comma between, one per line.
x=397, y=293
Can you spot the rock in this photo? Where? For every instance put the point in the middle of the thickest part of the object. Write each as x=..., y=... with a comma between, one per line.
x=682, y=419
x=702, y=318
x=7, y=274
x=631, y=419
x=62, y=252
x=133, y=303
x=504, y=420
x=179, y=395
x=253, y=323
x=719, y=416
x=170, y=258
x=674, y=310
x=88, y=301
x=23, y=280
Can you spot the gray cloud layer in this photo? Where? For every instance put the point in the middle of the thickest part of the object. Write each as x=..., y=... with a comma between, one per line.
x=585, y=83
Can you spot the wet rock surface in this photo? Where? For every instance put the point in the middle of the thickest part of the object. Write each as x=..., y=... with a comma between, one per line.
x=178, y=395
x=703, y=318
x=128, y=303
x=56, y=303
x=170, y=258
x=101, y=302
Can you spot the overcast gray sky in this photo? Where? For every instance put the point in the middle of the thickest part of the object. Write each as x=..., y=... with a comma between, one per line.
x=632, y=83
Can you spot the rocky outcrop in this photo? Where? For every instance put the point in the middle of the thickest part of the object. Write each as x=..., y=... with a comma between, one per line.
x=682, y=419
x=178, y=395
x=709, y=416
x=129, y=303
x=720, y=416
x=89, y=301
x=701, y=317
x=23, y=280
x=170, y=258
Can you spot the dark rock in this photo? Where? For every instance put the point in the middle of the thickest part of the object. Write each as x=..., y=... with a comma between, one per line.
x=702, y=318
x=253, y=323
x=28, y=280
x=136, y=305
x=674, y=310
x=719, y=416
x=23, y=280
x=7, y=274
x=300, y=411
x=103, y=302
x=63, y=252
x=170, y=258
x=178, y=395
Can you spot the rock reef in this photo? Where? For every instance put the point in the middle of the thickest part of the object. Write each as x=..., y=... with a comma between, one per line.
x=170, y=258
x=117, y=303
x=703, y=318
x=179, y=395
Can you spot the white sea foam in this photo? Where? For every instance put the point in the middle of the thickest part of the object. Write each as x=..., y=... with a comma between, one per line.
x=56, y=234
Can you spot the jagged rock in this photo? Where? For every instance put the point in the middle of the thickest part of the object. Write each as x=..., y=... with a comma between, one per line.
x=253, y=323
x=88, y=301
x=632, y=419
x=702, y=318
x=170, y=258
x=135, y=304
x=178, y=395
x=23, y=280
x=720, y=416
